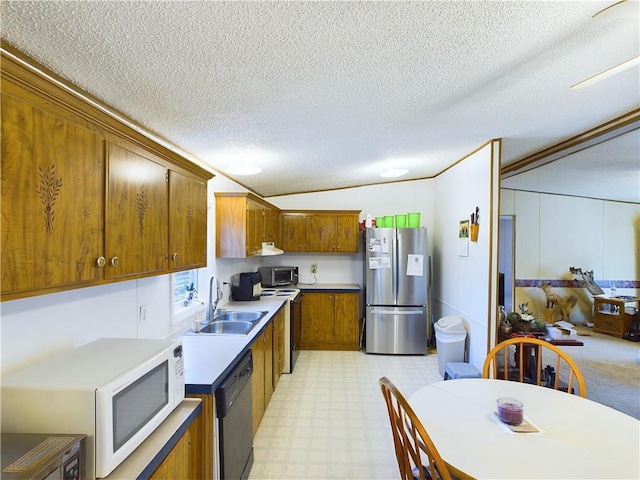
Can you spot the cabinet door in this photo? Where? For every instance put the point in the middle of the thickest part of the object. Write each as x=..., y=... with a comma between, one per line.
x=271, y=221
x=137, y=214
x=347, y=233
x=187, y=222
x=254, y=227
x=278, y=347
x=321, y=233
x=257, y=381
x=347, y=323
x=52, y=200
x=293, y=232
x=317, y=319
x=176, y=463
x=268, y=364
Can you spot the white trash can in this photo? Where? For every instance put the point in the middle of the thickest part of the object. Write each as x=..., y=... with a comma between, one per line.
x=450, y=339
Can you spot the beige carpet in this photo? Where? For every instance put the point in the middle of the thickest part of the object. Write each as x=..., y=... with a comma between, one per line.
x=611, y=369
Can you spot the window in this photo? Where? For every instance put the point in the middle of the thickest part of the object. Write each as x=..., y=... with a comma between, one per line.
x=184, y=288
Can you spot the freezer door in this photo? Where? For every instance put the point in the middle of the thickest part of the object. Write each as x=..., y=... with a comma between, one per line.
x=396, y=330
x=412, y=266
x=380, y=271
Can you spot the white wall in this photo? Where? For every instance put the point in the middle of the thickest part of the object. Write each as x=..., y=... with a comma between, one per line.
x=465, y=286
x=555, y=232
x=378, y=200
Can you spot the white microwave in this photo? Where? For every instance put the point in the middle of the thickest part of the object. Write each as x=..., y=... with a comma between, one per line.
x=114, y=390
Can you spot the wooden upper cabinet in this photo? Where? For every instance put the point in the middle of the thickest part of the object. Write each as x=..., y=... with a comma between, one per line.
x=52, y=198
x=293, y=232
x=137, y=230
x=85, y=198
x=321, y=231
x=347, y=228
x=187, y=222
x=241, y=224
x=271, y=226
x=254, y=228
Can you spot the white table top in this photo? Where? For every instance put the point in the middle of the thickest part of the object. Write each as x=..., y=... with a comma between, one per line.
x=580, y=438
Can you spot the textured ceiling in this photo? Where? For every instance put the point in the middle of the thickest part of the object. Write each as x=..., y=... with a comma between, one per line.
x=325, y=95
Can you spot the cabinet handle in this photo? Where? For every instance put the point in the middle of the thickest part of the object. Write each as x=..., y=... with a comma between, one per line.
x=174, y=257
x=101, y=262
x=114, y=261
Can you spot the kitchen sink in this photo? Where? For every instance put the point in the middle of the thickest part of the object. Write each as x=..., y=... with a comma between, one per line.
x=230, y=315
x=231, y=323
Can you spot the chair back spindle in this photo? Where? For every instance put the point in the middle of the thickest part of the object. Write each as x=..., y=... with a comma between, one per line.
x=416, y=453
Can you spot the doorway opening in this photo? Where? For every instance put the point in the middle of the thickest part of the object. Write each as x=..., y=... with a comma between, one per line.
x=506, y=262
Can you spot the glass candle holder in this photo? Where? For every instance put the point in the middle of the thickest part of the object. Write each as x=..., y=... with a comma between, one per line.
x=510, y=410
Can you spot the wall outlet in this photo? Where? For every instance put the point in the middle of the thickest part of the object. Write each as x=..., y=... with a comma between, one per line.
x=314, y=267
x=142, y=319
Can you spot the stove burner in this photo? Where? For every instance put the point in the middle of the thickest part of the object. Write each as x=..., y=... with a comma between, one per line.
x=286, y=291
x=267, y=294
x=269, y=290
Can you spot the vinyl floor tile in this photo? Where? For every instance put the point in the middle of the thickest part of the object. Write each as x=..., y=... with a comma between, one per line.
x=328, y=419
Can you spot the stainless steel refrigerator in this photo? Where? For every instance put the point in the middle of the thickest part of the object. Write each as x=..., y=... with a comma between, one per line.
x=396, y=282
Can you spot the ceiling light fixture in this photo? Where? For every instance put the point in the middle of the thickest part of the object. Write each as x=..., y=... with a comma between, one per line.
x=607, y=73
x=618, y=10
x=242, y=169
x=394, y=172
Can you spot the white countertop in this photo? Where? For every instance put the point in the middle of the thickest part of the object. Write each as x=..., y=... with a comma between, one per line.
x=207, y=357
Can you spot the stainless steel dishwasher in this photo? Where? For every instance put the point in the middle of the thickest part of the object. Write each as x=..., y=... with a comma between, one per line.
x=234, y=407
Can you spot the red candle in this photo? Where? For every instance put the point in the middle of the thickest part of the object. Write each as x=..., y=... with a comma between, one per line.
x=510, y=411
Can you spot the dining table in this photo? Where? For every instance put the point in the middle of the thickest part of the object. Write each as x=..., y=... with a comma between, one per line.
x=573, y=437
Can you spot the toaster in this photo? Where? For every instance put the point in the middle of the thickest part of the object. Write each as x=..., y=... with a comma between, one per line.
x=246, y=286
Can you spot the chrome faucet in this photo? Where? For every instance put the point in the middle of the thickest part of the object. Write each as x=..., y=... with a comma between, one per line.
x=213, y=304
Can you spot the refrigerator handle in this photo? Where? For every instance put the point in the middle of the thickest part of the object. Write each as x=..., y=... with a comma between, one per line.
x=385, y=311
x=394, y=265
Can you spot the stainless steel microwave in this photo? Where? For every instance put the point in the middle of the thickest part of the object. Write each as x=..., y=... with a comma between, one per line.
x=278, y=276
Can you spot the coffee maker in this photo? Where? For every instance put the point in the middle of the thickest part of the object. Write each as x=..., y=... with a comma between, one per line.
x=246, y=286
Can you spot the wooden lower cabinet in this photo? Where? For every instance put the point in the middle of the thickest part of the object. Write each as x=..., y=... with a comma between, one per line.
x=268, y=362
x=330, y=321
x=610, y=316
x=262, y=377
x=278, y=347
x=186, y=460
x=204, y=441
x=176, y=464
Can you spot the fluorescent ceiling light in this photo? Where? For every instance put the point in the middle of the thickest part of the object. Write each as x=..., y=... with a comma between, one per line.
x=242, y=169
x=607, y=73
x=394, y=172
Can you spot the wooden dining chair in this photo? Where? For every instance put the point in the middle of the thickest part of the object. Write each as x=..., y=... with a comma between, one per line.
x=411, y=441
x=534, y=361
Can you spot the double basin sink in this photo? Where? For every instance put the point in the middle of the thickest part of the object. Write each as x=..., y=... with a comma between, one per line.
x=231, y=323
